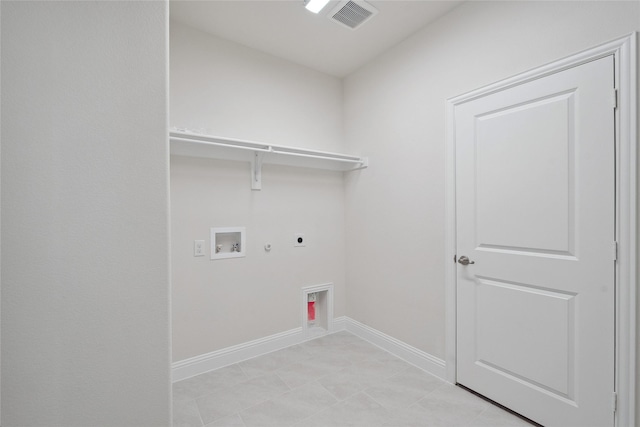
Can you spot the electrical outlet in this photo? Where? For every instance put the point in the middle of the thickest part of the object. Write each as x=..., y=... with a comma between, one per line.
x=299, y=240
x=198, y=248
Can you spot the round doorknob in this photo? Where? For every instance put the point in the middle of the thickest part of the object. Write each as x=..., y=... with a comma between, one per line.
x=465, y=261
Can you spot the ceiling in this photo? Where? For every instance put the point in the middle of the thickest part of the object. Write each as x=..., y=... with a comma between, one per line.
x=284, y=28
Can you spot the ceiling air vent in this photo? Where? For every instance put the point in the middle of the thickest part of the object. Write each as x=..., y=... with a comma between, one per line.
x=352, y=13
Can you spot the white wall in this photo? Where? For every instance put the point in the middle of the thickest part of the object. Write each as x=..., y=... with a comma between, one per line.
x=395, y=113
x=226, y=89
x=85, y=274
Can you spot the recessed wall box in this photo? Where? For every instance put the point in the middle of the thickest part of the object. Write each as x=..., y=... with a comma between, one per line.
x=227, y=242
x=318, y=320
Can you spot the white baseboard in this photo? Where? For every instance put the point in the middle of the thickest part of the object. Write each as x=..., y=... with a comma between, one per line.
x=419, y=358
x=228, y=356
x=339, y=324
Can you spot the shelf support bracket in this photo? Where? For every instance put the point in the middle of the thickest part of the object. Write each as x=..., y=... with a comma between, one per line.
x=256, y=170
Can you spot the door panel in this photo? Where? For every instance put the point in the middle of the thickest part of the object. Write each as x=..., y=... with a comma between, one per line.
x=535, y=213
x=542, y=220
x=527, y=322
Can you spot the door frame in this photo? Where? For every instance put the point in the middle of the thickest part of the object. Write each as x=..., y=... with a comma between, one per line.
x=624, y=51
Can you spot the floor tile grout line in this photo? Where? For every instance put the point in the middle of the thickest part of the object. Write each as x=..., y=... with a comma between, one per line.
x=321, y=410
x=303, y=355
x=199, y=414
x=338, y=401
x=254, y=405
x=246, y=374
x=242, y=419
x=392, y=408
x=372, y=398
x=266, y=400
x=248, y=378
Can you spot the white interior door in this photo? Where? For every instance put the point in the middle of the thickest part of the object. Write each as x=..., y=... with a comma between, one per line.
x=535, y=216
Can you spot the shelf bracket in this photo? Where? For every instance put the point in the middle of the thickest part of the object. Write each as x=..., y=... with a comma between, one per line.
x=256, y=170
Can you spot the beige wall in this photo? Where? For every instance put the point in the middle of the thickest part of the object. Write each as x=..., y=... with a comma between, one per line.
x=229, y=90
x=395, y=112
x=85, y=229
x=84, y=317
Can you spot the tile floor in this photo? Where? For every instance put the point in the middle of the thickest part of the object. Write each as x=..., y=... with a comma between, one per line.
x=333, y=381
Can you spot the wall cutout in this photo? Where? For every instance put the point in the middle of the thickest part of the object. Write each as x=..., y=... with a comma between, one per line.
x=317, y=310
x=227, y=242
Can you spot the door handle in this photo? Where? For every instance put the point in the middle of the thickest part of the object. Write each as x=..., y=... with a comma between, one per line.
x=465, y=261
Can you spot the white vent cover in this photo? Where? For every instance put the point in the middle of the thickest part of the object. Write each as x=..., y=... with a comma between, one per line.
x=352, y=13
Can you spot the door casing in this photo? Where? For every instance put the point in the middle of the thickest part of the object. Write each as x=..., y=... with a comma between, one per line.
x=624, y=50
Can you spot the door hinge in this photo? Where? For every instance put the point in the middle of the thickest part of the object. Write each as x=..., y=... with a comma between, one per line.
x=455, y=260
x=614, y=401
x=614, y=251
x=615, y=99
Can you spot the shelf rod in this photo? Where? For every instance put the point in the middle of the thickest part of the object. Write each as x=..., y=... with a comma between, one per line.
x=261, y=150
x=320, y=156
x=266, y=149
